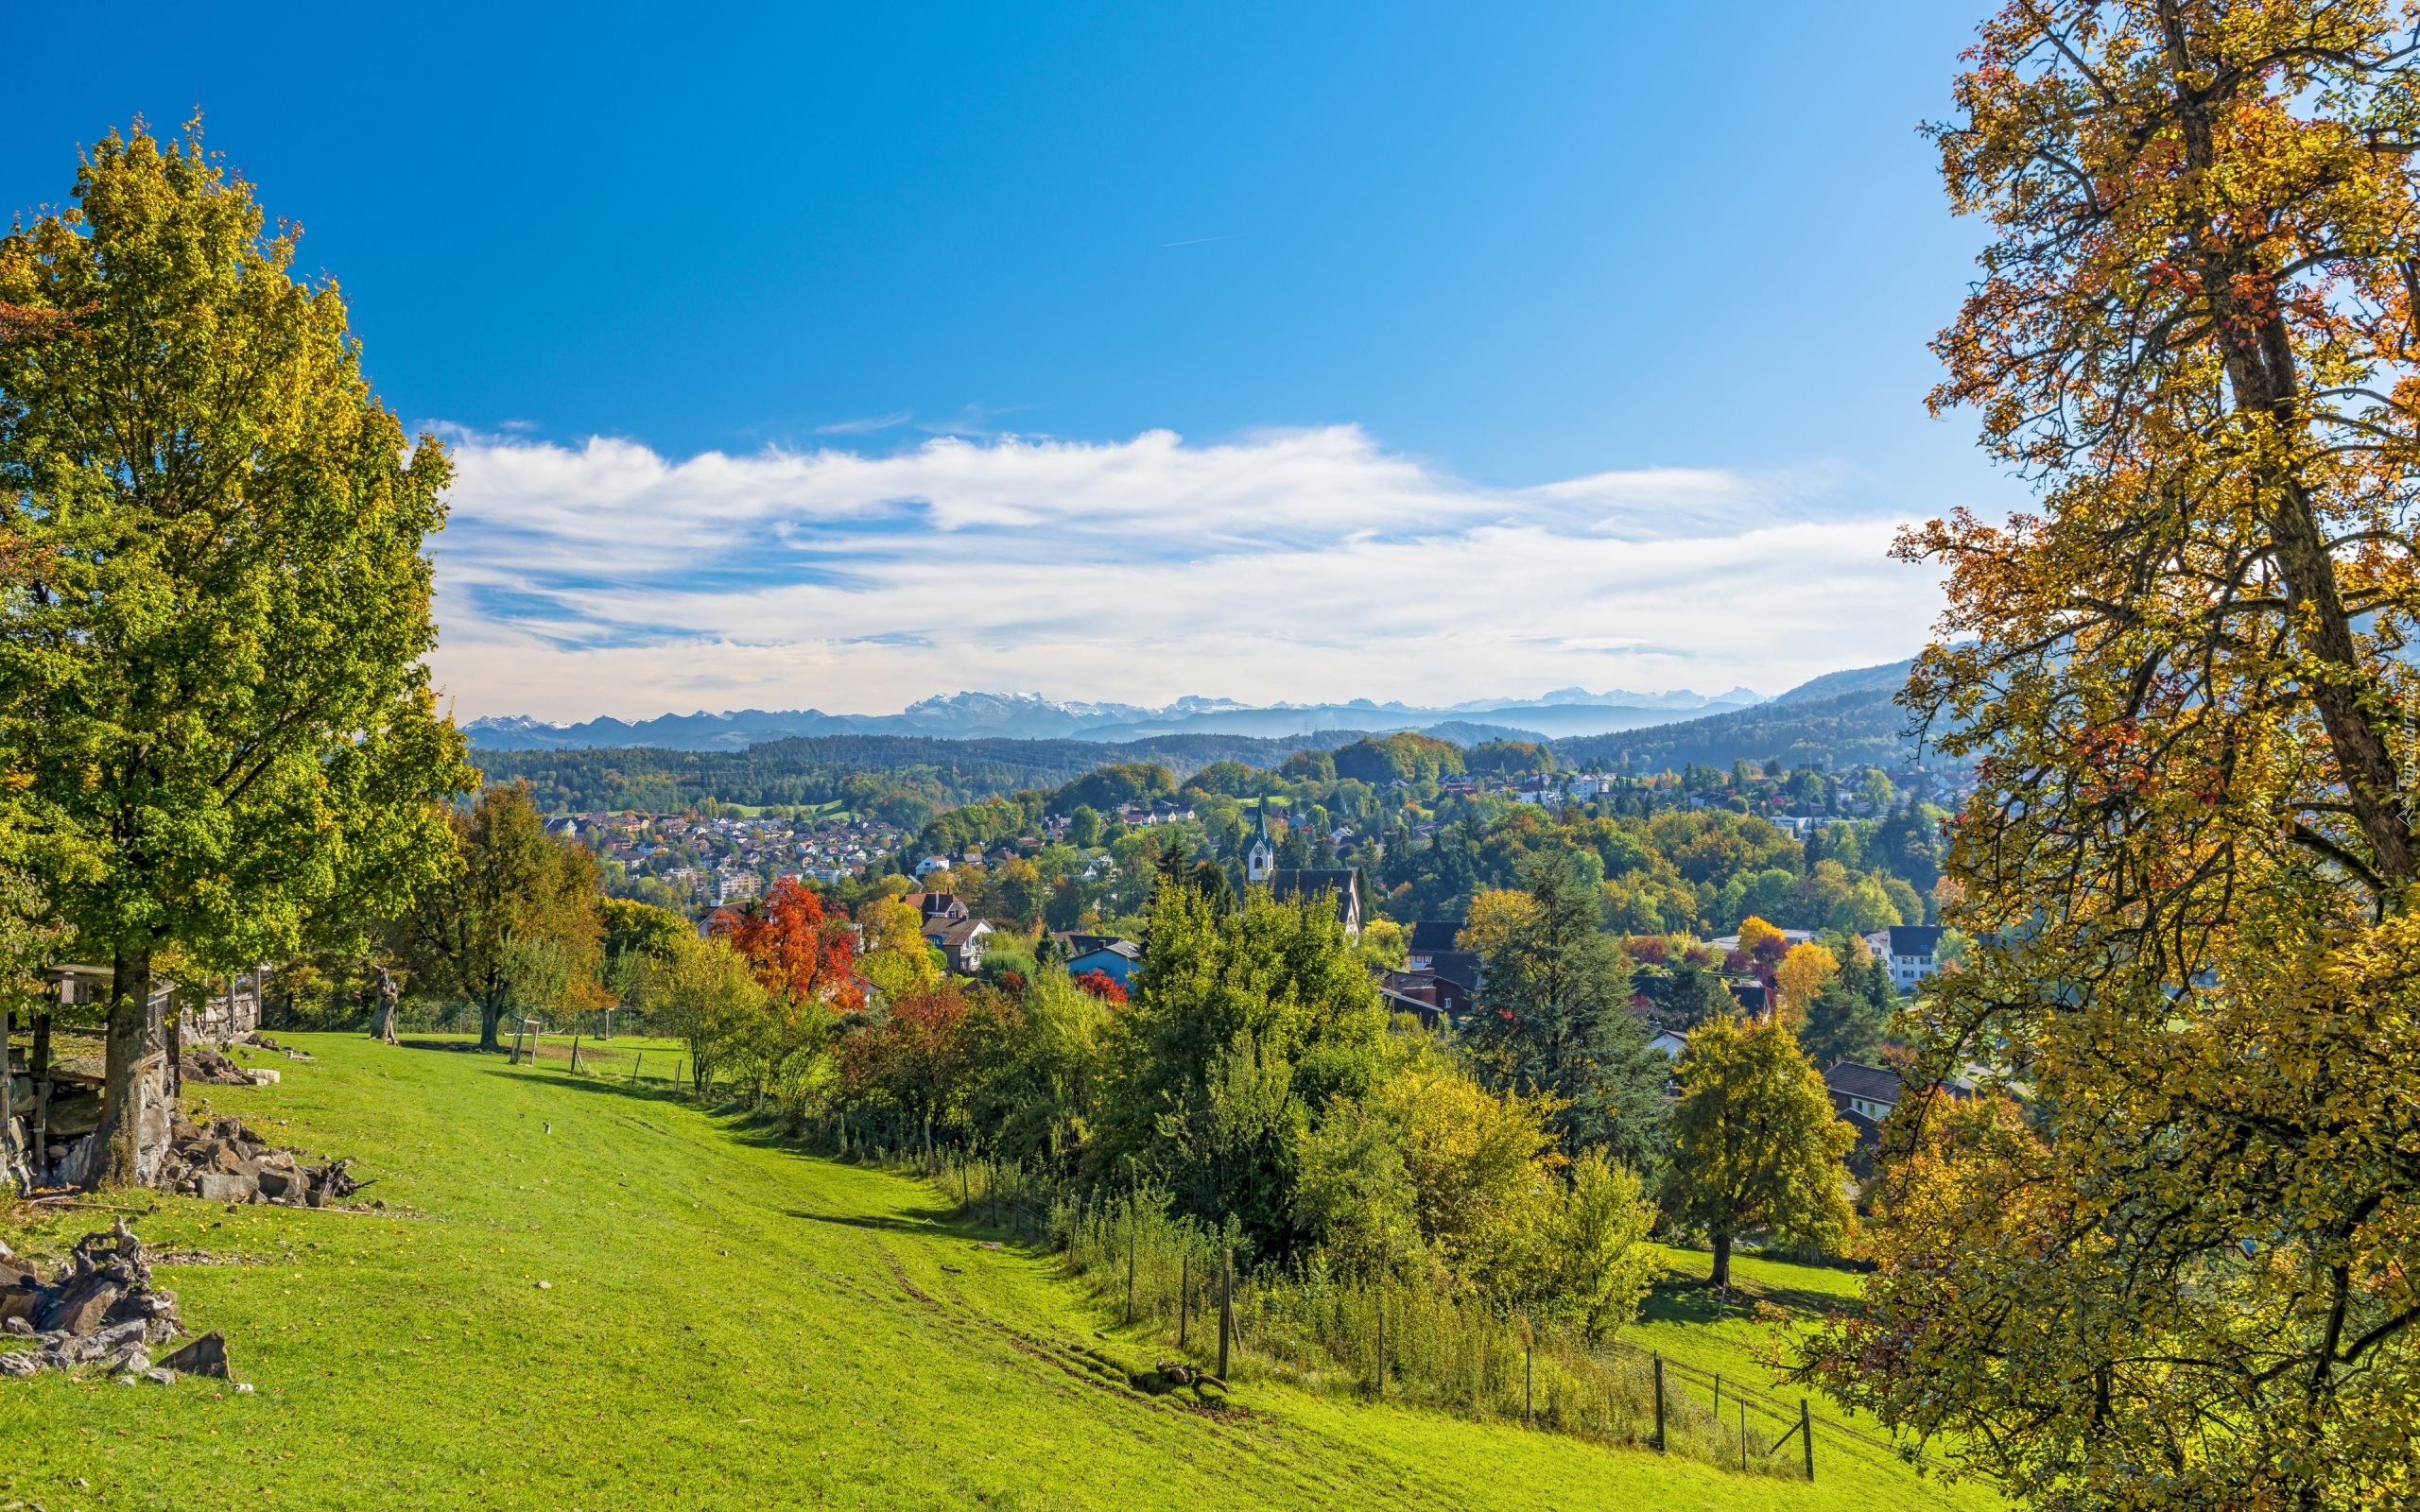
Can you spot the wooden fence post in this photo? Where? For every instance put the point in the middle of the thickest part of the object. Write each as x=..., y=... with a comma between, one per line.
x=1183, y=1293
x=39, y=1066
x=7, y=1105
x=636, y=1061
x=1529, y=1354
x=1659, y=1403
x=1130, y=1260
x=1382, y=1345
x=1807, y=1436
x=1226, y=1305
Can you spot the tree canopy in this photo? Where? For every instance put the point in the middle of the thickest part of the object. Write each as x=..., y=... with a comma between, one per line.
x=212, y=694
x=2189, y=868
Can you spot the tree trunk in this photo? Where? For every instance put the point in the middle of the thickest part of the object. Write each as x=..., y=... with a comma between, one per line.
x=1721, y=1276
x=131, y=1080
x=489, y=1014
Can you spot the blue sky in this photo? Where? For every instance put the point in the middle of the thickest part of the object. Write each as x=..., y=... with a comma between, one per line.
x=838, y=357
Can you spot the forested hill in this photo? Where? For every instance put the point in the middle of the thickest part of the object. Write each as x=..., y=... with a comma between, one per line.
x=905, y=778
x=1841, y=719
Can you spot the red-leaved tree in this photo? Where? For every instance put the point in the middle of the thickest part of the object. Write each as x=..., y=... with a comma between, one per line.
x=801, y=952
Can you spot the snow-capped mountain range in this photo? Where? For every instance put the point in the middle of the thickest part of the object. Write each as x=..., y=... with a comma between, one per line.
x=1031, y=717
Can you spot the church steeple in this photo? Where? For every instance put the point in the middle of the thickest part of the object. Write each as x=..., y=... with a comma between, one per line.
x=1260, y=862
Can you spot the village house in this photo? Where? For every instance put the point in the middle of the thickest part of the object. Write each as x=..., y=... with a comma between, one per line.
x=946, y=908
x=1869, y=1092
x=1111, y=957
x=1908, y=951
x=1341, y=883
x=960, y=941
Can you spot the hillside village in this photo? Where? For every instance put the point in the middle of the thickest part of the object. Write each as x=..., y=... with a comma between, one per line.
x=1976, y=1080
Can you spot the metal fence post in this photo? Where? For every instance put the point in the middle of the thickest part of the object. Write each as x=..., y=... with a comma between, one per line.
x=1807, y=1436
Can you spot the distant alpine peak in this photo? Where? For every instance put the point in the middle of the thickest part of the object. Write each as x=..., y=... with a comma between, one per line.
x=971, y=714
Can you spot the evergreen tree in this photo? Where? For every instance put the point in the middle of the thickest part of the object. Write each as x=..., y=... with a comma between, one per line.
x=1556, y=1014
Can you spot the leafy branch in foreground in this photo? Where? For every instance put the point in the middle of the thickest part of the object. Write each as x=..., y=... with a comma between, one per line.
x=2188, y=1278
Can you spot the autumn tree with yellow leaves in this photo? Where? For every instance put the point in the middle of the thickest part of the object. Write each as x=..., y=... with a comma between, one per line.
x=2185, y=1277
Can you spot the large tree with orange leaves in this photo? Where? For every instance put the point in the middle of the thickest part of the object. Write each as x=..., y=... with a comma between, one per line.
x=801, y=951
x=2190, y=1280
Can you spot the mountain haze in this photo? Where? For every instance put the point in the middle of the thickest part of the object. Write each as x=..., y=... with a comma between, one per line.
x=1031, y=716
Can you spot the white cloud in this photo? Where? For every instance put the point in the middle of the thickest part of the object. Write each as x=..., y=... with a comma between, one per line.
x=605, y=578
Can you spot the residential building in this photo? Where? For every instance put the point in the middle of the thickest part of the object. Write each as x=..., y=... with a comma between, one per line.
x=960, y=941
x=1114, y=958
x=1869, y=1092
x=946, y=906
x=1908, y=951
x=1447, y=997
x=1341, y=883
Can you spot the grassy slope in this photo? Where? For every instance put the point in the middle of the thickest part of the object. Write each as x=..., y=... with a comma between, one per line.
x=729, y=1325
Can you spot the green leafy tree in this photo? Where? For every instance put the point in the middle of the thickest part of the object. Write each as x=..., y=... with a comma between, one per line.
x=211, y=677
x=1016, y=892
x=1246, y=1022
x=1083, y=827
x=1755, y=1144
x=1556, y=1018
x=517, y=924
x=706, y=993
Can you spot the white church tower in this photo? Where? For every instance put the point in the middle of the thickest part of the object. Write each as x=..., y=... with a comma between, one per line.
x=1260, y=862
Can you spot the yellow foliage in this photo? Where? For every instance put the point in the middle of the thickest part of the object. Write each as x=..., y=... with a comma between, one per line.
x=1802, y=974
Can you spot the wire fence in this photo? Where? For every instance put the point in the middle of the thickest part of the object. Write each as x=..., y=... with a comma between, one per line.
x=1403, y=1340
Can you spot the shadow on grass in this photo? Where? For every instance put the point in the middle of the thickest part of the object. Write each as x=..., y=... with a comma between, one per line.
x=924, y=1223
x=1689, y=1299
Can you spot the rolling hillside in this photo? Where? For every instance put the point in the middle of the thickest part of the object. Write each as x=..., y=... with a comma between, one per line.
x=1839, y=719
x=588, y=1293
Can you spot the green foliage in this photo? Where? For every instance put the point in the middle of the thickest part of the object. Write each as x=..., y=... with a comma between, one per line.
x=1403, y=757
x=1846, y=1021
x=1556, y=1015
x=704, y=993
x=1246, y=1022
x=1083, y=827
x=515, y=925
x=1114, y=786
x=635, y=928
x=211, y=692
x=1509, y=758
x=1756, y=1145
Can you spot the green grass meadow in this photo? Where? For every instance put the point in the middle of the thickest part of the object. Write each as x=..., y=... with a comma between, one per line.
x=728, y=1323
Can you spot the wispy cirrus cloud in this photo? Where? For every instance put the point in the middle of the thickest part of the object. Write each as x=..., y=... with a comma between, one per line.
x=606, y=578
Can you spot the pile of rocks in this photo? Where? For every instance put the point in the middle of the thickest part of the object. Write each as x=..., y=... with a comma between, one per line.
x=227, y=1162
x=102, y=1312
x=208, y=1065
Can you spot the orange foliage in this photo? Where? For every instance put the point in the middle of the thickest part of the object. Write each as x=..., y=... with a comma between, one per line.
x=799, y=952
